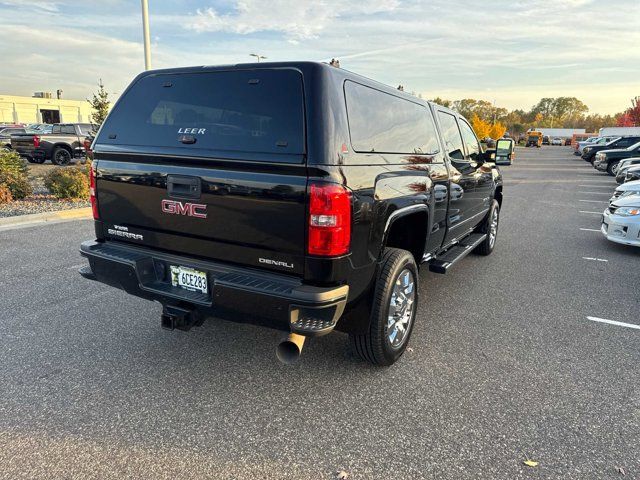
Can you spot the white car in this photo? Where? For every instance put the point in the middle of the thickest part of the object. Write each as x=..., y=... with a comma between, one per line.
x=621, y=221
x=557, y=141
x=625, y=190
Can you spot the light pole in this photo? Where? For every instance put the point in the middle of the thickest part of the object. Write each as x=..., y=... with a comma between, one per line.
x=259, y=57
x=145, y=31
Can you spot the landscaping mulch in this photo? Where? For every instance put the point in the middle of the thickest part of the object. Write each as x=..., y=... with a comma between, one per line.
x=41, y=201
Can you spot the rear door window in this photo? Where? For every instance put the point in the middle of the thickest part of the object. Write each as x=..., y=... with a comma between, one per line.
x=86, y=129
x=470, y=140
x=451, y=135
x=383, y=123
x=260, y=111
x=64, y=129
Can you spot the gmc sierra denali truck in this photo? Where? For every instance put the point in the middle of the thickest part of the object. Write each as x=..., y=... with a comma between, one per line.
x=295, y=195
x=61, y=146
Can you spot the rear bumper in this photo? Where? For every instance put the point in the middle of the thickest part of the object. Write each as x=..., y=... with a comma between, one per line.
x=24, y=152
x=235, y=293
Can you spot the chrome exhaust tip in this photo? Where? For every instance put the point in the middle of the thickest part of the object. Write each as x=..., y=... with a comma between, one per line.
x=288, y=350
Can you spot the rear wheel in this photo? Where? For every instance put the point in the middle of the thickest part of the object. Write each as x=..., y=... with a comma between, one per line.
x=612, y=168
x=393, y=309
x=490, y=227
x=61, y=156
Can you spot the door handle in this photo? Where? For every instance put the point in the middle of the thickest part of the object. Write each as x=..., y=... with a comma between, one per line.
x=182, y=186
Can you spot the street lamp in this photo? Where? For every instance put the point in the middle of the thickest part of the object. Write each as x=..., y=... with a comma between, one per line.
x=259, y=57
x=145, y=31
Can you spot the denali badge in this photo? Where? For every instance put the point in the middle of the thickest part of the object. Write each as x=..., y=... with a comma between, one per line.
x=188, y=209
x=277, y=263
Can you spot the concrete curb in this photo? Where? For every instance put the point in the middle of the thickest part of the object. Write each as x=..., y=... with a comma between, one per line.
x=9, y=223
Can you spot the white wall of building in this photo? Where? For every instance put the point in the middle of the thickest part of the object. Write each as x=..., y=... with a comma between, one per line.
x=15, y=109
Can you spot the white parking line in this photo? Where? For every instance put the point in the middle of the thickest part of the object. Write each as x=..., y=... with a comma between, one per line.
x=594, y=259
x=590, y=230
x=596, y=193
x=613, y=322
x=586, y=211
x=75, y=267
x=596, y=186
x=594, y=201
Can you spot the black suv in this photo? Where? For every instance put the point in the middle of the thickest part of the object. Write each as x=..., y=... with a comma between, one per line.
x=294, y=195
x=589, y=152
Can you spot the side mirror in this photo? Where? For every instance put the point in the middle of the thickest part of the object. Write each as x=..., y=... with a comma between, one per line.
x=487, y=156
x=504, y=151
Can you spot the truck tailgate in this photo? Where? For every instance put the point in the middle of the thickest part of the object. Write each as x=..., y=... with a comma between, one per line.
x=244, y=217
x=23, y=143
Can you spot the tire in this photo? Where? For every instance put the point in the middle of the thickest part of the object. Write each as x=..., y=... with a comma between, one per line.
x=612, y=168
x=397, y=279
x=39, y=160
x=491, y=229
x=30, y=160
x=61, y=156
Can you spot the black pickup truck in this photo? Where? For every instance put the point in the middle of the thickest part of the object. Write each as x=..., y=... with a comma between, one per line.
x=65, y=142
x=293, y=195
x=608, y=160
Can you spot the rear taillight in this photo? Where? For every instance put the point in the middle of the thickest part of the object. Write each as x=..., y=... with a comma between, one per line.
x=36, y=141
x=329, y=220
x=92, y=191
x=87, y=149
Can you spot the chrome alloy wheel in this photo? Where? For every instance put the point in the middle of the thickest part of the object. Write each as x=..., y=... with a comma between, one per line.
x=401, y=308
x=493, y=228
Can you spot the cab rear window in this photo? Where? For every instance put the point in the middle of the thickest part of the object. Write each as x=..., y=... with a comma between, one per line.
x=258, y=111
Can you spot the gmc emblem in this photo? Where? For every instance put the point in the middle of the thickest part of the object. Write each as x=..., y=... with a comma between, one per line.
x=188, y=209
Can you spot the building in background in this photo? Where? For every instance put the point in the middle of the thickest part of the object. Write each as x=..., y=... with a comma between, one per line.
x=42, y=108
x=559, y=132
x=606, y=131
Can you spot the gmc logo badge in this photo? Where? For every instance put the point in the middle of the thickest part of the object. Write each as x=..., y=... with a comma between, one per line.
x=189, y=209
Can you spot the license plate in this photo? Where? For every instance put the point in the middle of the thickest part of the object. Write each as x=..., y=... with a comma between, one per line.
x=189, y=279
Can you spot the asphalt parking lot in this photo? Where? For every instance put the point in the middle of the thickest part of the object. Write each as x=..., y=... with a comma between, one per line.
x=507, y=364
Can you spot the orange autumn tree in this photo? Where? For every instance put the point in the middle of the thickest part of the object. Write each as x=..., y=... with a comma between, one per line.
x=497, y=130
x=482, y=128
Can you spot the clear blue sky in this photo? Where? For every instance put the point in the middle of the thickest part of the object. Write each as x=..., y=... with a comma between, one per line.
x=513, y=52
